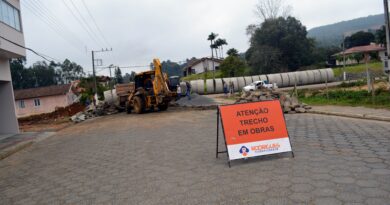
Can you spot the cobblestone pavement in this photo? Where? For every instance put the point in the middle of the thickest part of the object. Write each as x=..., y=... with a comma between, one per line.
x=169, y=158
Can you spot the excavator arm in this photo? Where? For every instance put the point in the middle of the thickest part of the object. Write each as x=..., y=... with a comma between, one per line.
x=160, y=85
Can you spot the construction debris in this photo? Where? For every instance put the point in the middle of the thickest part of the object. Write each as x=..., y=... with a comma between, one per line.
x=290, y=104
x=91, y=112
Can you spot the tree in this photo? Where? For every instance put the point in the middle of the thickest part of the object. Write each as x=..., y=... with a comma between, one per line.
x=380, y=36
x=118, y=75
x=219, y=43
x=360, y=38
x=211, y=38
x=323, y=56
x=71, y=71
x=232, y=52
x=233, y=66
x=279, y=45
x=171, y=68
x=358, y=57
x=272, y=9
x=132, y=76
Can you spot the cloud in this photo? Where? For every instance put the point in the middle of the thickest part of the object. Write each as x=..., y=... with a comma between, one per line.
x=139, y=31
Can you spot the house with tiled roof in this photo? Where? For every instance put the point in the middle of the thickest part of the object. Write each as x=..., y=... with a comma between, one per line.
x=34, y=101
x=373, y=48
x=201, y=65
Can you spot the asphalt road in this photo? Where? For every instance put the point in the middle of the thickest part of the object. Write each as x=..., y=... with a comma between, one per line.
x=169, y=158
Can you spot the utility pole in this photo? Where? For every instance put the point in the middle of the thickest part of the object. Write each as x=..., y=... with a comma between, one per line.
x=93, y=70
x=344, y=74
x=387, y=25
x=112, y=96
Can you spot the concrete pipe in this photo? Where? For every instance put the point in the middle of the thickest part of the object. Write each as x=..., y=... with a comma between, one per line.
x=255, y=78
x=110, y=99
x=324, y=76
x=317, y=77
x=275, y=78
x=310, y=76
x=241, y=82
x=263, y=78
x=200, y=87
x=293, y=76
x=285, y=80
x=194, y=86
x=183, y=86
x=248, y=80
x=302, y=78
x=210, y=86
x=235, y=83
x=219, y=85
x=330, y=73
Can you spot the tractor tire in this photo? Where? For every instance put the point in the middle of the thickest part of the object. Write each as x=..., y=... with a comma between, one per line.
x=128, y=108
x=163, y=107
x=139, y=105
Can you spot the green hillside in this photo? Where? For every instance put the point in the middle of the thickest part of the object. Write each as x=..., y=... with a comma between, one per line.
x=332, y=35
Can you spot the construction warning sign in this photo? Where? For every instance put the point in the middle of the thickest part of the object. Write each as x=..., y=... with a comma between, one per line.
x=254, y=129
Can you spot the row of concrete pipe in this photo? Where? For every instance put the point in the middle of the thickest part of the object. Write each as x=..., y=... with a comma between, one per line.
x=280, y=79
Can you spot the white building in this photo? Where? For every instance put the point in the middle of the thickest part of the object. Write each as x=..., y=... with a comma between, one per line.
x=201, y=65
x=11, y=40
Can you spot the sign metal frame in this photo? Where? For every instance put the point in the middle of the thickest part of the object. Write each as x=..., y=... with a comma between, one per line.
x=220, y=121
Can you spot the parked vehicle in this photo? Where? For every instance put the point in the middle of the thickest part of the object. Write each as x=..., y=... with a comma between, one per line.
x=257, y=85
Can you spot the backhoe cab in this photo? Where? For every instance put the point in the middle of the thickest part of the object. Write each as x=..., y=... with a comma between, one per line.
x=150, y=91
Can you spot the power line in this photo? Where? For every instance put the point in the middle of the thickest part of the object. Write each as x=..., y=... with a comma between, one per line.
x=83, y=19
x=80, y=22
x=41, y=7
x=36, y=10
x=94, y=22
x=29, y=49
x=48, y=23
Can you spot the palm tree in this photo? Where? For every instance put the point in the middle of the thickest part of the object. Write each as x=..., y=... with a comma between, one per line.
x=211, y=38
x=223, y=43
x=215, y=46
x=220, y=43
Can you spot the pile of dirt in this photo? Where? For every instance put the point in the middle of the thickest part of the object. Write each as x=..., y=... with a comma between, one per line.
x=290, y=104
x=59, y=113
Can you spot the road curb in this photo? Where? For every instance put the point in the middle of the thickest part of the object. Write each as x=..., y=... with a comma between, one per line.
x=357, y=116
x=13, y=149
x=24, y=144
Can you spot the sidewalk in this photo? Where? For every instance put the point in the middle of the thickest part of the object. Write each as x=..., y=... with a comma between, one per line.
x=354, y=112
x=9, y=144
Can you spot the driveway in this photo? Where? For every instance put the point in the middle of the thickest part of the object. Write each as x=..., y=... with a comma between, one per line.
x=169, y=158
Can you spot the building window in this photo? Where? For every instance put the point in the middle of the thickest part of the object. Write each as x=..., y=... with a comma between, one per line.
x=37, y=102
x=21, y=104
x=9, y=15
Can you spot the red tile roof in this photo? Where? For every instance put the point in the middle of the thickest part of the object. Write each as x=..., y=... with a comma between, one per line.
x=42, y=91
x=363, y=49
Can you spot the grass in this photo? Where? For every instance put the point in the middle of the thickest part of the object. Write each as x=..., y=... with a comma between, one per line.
x=209, y=75
x=375, y=66
x=381, y=99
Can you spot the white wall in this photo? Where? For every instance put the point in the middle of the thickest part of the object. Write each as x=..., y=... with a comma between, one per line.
x=200, y=67
x=8, y=121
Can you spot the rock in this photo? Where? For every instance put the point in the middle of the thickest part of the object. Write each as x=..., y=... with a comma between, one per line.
x=300, y=110
x=263, y=98
x=292, y=112
x=286, y=109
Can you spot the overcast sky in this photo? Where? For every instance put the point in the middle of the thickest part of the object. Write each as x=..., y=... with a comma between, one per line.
x=139, y=31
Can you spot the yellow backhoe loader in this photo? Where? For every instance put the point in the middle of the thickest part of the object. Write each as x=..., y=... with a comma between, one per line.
x=150, y=91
